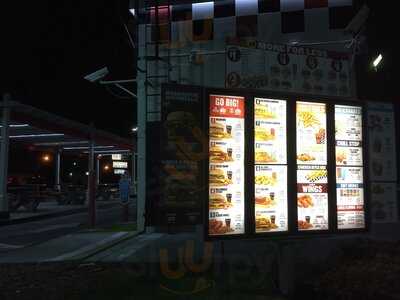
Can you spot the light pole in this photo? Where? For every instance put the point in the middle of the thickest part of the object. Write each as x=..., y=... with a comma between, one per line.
x=4, y=211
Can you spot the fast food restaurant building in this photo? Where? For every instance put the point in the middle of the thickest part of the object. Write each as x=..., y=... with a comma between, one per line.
x=206, y=70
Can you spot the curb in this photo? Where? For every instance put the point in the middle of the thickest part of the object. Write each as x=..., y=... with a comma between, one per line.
x=54, y=215
x=91, y=252
x=109, y=245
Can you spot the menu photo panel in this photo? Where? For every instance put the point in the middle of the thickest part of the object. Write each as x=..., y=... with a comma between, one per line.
x=226, y=165
x=312, y=174
x=270, y=153
x=349, y=167
x=271, y=211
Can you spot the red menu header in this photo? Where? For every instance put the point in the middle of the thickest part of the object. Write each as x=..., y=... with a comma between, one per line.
x=226, y=106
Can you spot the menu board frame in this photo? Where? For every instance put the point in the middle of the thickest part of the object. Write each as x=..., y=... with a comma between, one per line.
x=206, y=167
x=365, y=165
x=249, y=212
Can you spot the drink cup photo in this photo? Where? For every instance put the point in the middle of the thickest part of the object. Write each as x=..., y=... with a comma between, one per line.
x=228, y=223
x=308, y=219
x=273, y=219
x=272, y=131
x=230, y=152
x=229, y=129
x=229, y=175
x=229, y=197
x=272, y=196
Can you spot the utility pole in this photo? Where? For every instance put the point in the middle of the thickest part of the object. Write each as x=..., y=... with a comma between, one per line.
x=92, y=181
x=4, y=207
x=58, y=170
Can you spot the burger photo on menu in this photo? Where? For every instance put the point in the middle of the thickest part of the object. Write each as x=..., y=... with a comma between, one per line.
x=217, y=131
x=265, y=201
x=263, y=135
x=262, y=112
x=179, y=124
x=264, y=157
x=218, y=155
x=218, y=178
x=180, y=189
x=265, y=223
x=219, y=201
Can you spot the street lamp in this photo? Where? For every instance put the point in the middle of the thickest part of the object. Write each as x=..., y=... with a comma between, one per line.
x=98, y=76
x=377, y=61
x=46, y=158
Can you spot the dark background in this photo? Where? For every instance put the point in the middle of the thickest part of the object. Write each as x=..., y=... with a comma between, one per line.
x=49, y=46
x=52, y=45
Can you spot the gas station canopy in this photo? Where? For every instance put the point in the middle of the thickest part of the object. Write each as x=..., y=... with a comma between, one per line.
x=46, y=131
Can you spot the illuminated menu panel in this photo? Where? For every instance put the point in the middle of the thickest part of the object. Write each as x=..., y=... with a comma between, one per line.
x=349, y=167
x=270, y=131
x=226, y=165
x=271, y=212
x=312, y=175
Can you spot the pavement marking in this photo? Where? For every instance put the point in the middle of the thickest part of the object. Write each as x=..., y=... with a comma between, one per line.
x=55, y=227
x=144, y=241
x=8, y=246
x=82, y=250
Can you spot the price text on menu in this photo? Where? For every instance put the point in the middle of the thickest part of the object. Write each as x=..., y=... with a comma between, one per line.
x=226, y=165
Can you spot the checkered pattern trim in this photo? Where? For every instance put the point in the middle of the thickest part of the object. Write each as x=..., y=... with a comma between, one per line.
x=210, y=20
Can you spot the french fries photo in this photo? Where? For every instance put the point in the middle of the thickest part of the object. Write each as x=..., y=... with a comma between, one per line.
x=308, y=119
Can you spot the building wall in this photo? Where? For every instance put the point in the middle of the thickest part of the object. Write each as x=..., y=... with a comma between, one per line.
x=193, y=49
x=204, y=28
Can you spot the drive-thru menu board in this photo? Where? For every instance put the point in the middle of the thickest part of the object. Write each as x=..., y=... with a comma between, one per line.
x=271, y=211
x=349, y=167
x=226, y=165
x=312, y=175
x=270, y=131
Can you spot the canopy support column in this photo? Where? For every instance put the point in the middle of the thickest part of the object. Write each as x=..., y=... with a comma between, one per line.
x=57, y=185
x=98, y=170
x=4, y=207
x=92, y=184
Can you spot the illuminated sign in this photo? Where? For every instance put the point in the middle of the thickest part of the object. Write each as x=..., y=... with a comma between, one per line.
x=270, y=198
x=119, y=172
x=116, y=156
x=120, y=165
x=349, y=167
x=312, y=174
x=226, y=165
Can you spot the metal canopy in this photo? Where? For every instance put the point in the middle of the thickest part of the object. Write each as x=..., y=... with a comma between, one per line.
x=47, y=131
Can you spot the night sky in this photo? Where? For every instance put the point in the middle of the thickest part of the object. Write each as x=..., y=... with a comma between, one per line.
x=52, y=45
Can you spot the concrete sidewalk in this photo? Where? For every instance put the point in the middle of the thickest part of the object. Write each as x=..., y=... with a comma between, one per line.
x=71, y=247
x=51, y=209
